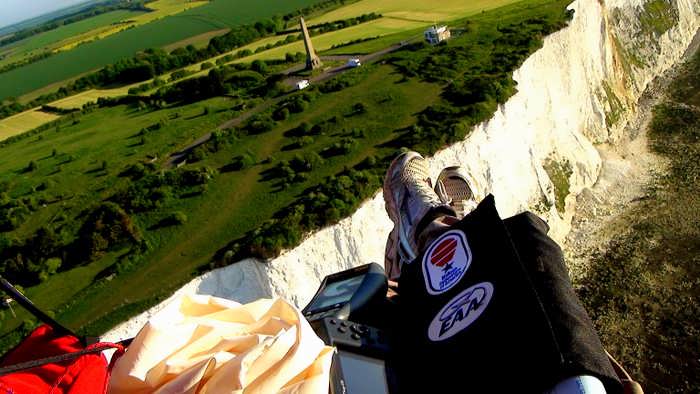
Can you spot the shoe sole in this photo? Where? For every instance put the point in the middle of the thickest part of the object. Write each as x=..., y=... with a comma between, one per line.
x=453, y=172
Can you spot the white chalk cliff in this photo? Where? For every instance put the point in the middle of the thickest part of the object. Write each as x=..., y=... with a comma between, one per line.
x=578, y=90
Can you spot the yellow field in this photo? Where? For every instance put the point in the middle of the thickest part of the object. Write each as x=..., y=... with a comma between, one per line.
x=77, y=101
x=25, y=121
x=161, y=9
x=416, y=10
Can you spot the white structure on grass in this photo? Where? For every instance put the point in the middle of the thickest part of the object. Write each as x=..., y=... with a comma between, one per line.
x=303, y=84
x=436, y=34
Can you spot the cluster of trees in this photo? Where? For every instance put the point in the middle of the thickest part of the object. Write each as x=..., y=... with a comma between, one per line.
x=334, y=25
x=150, y=190
x=315, y=8
x=254, y=79
x=353, y=42
x=346, y=80
x=25, y=61
x=477, y=80
x=335, y=198
x=296, y=169
x=49, y=249
x=14, y=211
x=343, y=23
x=63, y=244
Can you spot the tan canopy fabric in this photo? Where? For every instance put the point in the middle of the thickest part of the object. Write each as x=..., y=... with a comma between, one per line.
x=204, y=344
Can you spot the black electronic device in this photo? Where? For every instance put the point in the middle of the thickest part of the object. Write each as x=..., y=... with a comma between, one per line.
x=357, y=294
x=359, y=365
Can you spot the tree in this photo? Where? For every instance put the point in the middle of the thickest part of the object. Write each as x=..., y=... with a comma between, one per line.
x=281, y=114
x=259, y=66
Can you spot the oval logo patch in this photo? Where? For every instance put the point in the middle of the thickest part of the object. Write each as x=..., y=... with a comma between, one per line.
x=445, y=262
x=460, y=312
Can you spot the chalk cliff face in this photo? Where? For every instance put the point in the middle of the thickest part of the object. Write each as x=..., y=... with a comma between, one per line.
x=536, y=153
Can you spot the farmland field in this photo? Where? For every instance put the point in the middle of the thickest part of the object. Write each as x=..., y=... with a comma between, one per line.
x=199, y=41
x=161, y=9
x=377, y=27
x=89, y=96
x=216, y=15
x=25, y=121
x=51, y=39
x=413, y=10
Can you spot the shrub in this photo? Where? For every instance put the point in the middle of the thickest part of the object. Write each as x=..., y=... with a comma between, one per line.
x=242, y=162
x=134, y=171
x=175, y=219
x=281, y=114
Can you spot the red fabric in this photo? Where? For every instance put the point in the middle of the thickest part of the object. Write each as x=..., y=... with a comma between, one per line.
x=85, y=374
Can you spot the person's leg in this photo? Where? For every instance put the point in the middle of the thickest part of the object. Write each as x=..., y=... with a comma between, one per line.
x=413, y=206
x=429, y=219
x=544, y=263
x=420, y=213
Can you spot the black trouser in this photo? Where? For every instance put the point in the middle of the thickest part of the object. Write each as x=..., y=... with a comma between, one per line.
x=488, y=306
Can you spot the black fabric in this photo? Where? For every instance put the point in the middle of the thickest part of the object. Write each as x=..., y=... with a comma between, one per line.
x=531, y=334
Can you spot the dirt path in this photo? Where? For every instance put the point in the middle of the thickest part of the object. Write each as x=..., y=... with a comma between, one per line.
x=628, y=168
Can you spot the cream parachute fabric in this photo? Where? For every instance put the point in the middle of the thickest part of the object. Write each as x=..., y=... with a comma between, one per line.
x=203, y=344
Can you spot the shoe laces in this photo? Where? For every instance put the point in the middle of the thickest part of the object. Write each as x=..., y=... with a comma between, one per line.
x=415, y=174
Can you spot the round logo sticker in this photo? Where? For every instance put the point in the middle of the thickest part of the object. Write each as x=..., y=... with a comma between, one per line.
x=460, y=311
x=446, y=261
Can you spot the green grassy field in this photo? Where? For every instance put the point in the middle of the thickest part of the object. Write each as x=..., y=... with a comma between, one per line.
x=216, y=15
x=235, y=201
x=50, y=40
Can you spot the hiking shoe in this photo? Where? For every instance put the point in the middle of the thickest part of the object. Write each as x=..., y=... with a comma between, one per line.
x=408, y=197
x=456, y=188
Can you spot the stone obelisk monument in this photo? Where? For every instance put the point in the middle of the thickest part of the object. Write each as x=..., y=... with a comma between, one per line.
x=312, y=60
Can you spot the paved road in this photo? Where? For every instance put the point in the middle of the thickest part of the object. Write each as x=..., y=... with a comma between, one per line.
x=179, y=157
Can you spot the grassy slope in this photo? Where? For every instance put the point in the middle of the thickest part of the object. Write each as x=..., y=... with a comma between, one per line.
x=643, y=290
x=237, y=201
x=234, y=203
x=64, y=65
